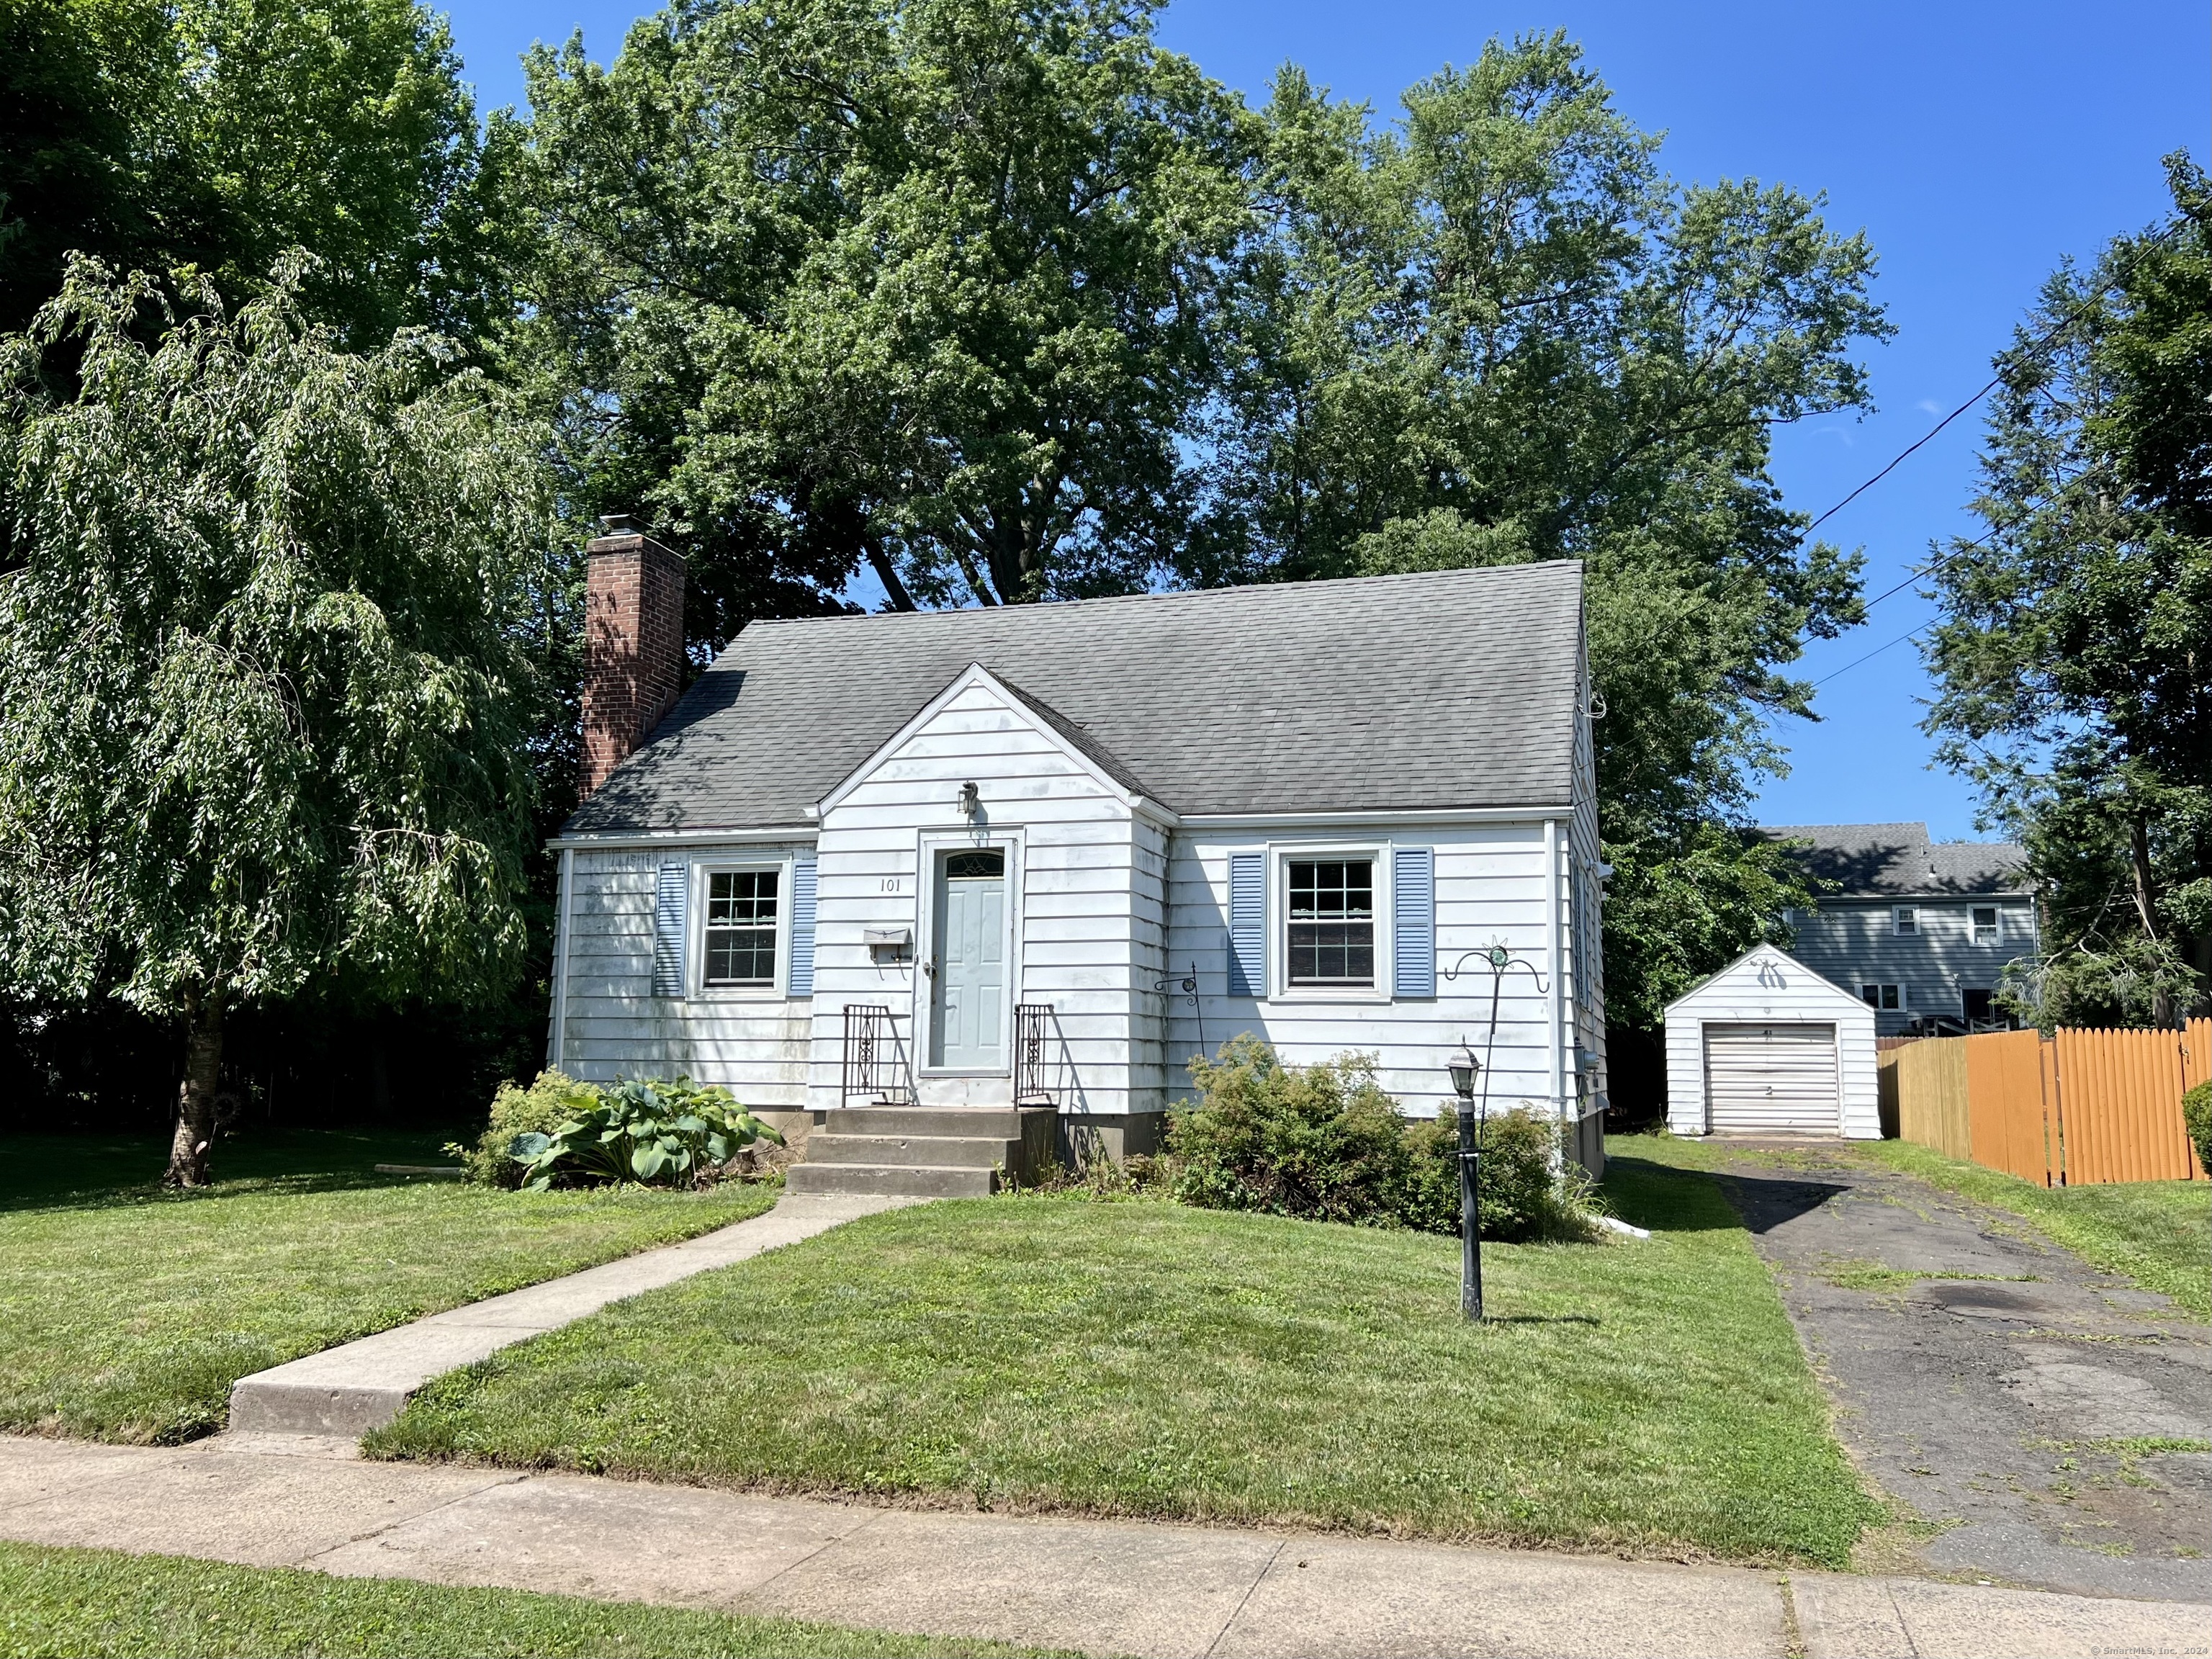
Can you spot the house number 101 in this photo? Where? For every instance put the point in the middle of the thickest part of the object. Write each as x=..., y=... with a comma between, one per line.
x=891, y=884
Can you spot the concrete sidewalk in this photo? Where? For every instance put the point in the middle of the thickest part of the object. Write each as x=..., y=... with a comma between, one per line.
x=359, y=1386
x=1105, y=1587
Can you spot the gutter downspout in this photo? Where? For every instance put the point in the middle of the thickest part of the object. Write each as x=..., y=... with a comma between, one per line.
x=561, y=961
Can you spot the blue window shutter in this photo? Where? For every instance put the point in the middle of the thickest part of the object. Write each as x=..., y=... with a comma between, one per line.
x=1413, y=919
x=668, y=906
x=800, y=982
x=1247, y=924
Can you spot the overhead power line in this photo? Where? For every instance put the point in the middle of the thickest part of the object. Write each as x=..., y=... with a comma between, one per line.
x=1872, y=654
x=2041, y=343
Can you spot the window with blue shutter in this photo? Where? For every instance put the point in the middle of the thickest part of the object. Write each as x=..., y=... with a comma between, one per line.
x=800, y=982
x=1413, y=920
x=1247, y=924
x=668, y=907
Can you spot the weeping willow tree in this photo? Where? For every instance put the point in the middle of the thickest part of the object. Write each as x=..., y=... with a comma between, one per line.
x=266, y=676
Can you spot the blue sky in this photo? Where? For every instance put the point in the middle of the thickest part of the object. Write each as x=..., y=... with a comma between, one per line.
x=1977, y=145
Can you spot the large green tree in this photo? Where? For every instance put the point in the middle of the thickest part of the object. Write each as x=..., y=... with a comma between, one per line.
x=267, y=678
x=2073, y=654
x=220, y=133
x=925, y=284
x=1497, y=333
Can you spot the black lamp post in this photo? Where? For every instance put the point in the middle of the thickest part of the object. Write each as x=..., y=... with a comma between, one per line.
x=1463, y=1067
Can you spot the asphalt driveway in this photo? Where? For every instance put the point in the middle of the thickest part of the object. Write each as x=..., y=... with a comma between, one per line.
x=2012, y=1396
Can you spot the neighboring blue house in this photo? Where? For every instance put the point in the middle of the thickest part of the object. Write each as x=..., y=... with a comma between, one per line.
x=1920, y=929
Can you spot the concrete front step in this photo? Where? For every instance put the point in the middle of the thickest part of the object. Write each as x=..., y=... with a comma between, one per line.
x=888, y=1181
x=916, y=1151
x=981, y=1123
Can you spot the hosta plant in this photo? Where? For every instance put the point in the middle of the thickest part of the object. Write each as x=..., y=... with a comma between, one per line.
x=662, y=1132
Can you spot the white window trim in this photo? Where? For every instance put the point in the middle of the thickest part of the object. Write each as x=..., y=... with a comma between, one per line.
x=1996, y=924
x=930, y=847
x=1897, y=915
x=695, y=944
x=1880, y=987
x=1279, y=855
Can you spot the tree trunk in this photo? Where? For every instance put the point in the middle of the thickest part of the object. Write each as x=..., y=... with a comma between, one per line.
x=188, y=1149
x=2161, y=1007
x=887, y=573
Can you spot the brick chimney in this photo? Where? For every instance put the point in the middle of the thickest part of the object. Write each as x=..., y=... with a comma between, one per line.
x=633, y=645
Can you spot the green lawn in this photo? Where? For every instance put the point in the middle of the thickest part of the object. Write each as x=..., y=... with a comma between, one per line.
x=129, y=1312
x=94, y=1601
x=2158, y=1233
x=1142, y=1358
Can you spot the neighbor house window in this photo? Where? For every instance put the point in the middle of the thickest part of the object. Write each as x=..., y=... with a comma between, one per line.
x=741, y=919
x=1331, y=939
x=1905, y=918
x=1882, y=996
x=1985, y=924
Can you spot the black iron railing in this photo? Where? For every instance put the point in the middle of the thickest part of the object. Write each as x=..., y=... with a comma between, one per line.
x=1032, y=1032
x=874, y=1067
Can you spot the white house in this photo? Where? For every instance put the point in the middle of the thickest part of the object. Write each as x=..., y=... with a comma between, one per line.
x=1020, y=864
x=1766, y=1046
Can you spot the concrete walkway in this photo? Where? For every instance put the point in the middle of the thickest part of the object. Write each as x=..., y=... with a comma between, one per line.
x=351, y=1389
x=1104, y=1587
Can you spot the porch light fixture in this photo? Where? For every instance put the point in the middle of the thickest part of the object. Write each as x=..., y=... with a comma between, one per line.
x=1463, y=1069
x=971, y=800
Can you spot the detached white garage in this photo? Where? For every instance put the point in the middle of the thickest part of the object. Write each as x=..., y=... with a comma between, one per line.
x=1768, y=1046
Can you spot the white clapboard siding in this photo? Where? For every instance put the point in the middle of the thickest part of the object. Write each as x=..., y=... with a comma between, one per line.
x=1072, y=865
x=1111, y=909
x=1770, y=1079
x=611, y=1023
x=1492, y=882
x=1767, y=988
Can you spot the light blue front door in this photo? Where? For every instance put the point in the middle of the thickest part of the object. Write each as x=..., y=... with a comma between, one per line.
x=969, y=1031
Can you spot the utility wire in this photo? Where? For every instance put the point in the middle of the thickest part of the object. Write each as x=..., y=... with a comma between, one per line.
x=2042, y=341
x=1929, y=569
x=1872, y=654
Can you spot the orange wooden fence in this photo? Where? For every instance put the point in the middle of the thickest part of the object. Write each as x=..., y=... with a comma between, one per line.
x=2082, y=1108
x=2010, y=1088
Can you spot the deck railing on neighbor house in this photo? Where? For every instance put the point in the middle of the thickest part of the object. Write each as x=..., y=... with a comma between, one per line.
x=874, y=1066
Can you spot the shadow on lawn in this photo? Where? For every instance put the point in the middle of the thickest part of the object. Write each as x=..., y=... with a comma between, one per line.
x=86, y=1172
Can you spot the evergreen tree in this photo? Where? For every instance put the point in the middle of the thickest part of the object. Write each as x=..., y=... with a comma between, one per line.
x=2073, y=654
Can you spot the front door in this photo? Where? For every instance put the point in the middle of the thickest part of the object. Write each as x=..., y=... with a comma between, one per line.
x=967, y=1029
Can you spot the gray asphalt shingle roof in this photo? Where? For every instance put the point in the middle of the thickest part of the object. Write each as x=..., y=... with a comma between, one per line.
x=1898, y=860
x=1446, y=689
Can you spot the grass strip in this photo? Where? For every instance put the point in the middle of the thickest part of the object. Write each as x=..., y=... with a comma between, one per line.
x=89, y=1602
x=1142, y=1358
x=128, y=1311
x=2156, y=1233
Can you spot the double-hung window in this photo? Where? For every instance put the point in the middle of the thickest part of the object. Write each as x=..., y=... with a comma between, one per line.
x=742, y=912
x=1985, y=924
x=1330, y=926
x=1905, y=918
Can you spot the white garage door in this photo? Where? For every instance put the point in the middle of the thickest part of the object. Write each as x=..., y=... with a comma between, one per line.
x=1771, y=1079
